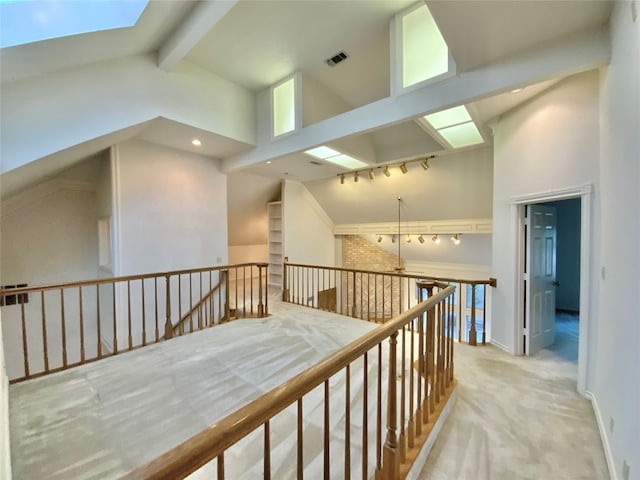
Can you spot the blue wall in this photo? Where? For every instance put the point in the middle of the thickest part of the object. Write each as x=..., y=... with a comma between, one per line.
x=568, y=253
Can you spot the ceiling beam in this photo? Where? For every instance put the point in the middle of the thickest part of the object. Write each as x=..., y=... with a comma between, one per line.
x=204, y=16
x=577, y=54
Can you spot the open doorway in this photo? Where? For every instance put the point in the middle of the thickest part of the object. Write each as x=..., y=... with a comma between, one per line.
x=582, y=196
x=563, y=340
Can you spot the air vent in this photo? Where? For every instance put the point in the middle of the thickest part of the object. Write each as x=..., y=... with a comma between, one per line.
x=313, y=162
x=336, y=59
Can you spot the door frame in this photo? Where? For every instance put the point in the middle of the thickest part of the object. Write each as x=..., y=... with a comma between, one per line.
x=518, y=203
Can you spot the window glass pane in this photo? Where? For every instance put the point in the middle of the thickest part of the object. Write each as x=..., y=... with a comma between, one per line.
x=424, y=52
x=479, y=297
x=284, y=116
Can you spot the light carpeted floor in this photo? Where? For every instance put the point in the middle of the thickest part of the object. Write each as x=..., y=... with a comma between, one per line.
x=519, y=418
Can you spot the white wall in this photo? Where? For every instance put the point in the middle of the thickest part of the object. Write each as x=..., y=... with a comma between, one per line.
x=172, y=209
x=455, y=186
x=70, y=106
x=5, y=439
x=547, y=144
x=49, y=235
x=308, y=231
x=616, y=387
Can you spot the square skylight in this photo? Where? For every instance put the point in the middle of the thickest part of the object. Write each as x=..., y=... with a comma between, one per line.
x=35, y=20
x=346, y=161
x=284, y=107
x=446, y=118
x=322, y=152
x=462, y=135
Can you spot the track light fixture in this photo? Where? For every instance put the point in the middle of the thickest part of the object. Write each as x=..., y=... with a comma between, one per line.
x=393, y=239
x=436, y=239
x=421, y=239
x=408, y=238
x=455, y=239
x=379, y=238
x=371, y=171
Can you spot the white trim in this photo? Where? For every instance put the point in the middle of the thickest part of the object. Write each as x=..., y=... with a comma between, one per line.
x=603, y=435
x=421, y=458
x=441, y=269
x=501, y=346
x=463, y=225
x=551, y=195
x=583, y=192
x=39, y=192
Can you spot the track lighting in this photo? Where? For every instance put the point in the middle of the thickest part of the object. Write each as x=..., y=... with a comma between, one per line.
x=372, y=174
x=455, y=239
x=379, y=238
x=371, y=171
x=403, y=168
x=355, y=177
x=386, y=171
x=425, y=164
x=408, y=238
x=342, y=179
x=436, y=239
x=421, y=239
x=393, y=239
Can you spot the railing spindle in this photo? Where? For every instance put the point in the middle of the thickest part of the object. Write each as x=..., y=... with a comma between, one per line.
x=300, y=445
x=82, y=358
x=365, y=417
x=379, y=413
x=98, y=322
x=155, y=303
x=25, y=348
x=473, y=337
x=168, y=327
x=115, y=328
x=44, y=333
x=347, y=425
x=402, y=437
x=221, y=466
x=191, y=303
x=327, y=433
x=130, y=338
x=390, y=464
x=267, y=452
x=64, y=329
x=144, y=318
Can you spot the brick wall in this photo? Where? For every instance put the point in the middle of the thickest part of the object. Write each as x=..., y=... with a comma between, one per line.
x=377, y=297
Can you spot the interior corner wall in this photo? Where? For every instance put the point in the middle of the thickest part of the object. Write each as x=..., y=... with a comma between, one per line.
x=5, y=438
x=308, y=231
x=172, y=209
x=549, y=143
x=616, y=386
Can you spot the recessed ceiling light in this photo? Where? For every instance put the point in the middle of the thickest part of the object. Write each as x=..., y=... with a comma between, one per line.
x=268, y=162
x=196, y=143
x=517, y=90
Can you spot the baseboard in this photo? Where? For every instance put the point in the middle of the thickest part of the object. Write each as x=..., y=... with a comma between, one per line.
x=603, y=435
x=421, y=458
x=501, y=346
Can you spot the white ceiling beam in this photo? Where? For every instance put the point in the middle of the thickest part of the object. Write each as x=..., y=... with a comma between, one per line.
x=205, y=15
x=580, y=53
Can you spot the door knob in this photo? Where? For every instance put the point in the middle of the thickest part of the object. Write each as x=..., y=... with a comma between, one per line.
x=556, y=283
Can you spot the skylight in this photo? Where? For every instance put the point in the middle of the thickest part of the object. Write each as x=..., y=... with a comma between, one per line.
x=425, y=54
x=455, y=126
x=284, y=107
x=27, y=21
x=330, y=155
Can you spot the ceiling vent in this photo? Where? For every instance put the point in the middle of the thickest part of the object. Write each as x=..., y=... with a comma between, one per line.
x=336, y=59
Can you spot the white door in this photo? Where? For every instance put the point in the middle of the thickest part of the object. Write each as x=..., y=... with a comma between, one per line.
x=541, y=284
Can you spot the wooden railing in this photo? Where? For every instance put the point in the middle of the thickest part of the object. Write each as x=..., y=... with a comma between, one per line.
x=411, y=386
x=379, y=296
x=55, y=327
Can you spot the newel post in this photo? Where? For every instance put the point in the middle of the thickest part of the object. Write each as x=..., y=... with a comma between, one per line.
x=390, y=457
x=473, y=336
x=168, y=327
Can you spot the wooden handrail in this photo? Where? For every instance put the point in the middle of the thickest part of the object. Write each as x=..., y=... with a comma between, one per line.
x=205, y=298
x=492, y=282
x=213, y=441
x=102, y=281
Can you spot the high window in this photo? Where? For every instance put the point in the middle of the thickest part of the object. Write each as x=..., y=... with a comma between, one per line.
x=27, y=21
x=422, y=54
x=283, y=101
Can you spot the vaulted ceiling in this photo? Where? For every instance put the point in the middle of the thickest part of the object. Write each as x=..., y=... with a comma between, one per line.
x=252, y=44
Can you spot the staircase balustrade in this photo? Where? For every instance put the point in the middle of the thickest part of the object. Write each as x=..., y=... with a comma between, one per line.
x=55, y=327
